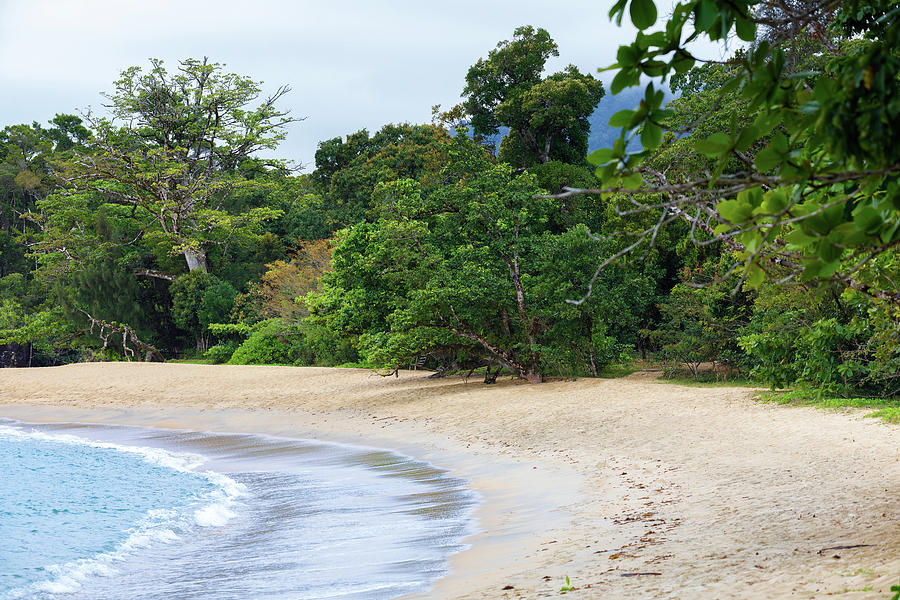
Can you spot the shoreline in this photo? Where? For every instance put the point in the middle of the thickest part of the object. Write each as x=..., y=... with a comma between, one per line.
x=705, y=492
x=392, y=490
x=508, y=506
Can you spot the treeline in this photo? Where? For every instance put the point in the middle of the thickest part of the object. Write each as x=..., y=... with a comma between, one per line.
x=156, y=231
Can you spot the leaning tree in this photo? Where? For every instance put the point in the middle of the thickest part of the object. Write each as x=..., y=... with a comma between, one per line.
x=802, y=183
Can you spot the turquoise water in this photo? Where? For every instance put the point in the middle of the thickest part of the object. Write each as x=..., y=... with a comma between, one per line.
x=70, y=507
x=91, y=512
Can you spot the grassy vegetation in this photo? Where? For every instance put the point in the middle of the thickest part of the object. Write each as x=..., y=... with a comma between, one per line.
x=614, y=371
x=707, y=381
x=195, y=360
x=887, y=409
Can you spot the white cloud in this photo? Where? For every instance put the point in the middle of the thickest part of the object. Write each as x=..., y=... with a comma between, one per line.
x=351, y=63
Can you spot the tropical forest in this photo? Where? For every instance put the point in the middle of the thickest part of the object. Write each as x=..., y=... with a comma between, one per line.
x=733, y=217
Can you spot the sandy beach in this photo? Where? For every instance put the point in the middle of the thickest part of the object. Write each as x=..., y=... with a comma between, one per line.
x=630, y=487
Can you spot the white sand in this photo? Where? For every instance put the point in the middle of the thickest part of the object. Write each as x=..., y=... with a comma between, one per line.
x=708, y=493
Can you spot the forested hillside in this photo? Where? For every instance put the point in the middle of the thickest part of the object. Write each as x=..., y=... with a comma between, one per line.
x=752, y=222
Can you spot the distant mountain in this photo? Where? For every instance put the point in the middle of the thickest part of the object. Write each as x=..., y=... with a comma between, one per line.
x=601, y=135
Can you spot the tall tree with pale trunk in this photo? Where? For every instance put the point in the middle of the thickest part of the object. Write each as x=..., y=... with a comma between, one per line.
x=176, y=147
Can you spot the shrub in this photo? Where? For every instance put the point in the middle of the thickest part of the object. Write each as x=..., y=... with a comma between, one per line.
x=267, y=345
x=220, y=353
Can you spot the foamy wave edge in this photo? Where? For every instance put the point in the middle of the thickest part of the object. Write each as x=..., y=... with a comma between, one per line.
x=157, y=526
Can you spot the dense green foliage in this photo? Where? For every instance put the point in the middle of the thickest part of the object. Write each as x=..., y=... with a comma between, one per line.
x=547, y=117
x=748, y=227
x=782, y=161
x=471, y=272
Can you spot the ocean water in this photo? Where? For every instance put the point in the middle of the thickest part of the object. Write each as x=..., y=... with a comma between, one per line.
x=100, y=512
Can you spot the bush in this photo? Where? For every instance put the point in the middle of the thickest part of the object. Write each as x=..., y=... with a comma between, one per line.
x=318, y=345
x=268, y=345
x=831, y=356
x=220, y=353
x=275, y=342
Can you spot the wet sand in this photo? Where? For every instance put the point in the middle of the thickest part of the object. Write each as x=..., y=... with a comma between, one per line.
x=632, y=488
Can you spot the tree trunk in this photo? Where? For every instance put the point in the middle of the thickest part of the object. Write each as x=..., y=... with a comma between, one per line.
x=532, y=375
x=196, y=259
x=545, y=154
x=202, y=343
x=530, y=325
x=590, y=336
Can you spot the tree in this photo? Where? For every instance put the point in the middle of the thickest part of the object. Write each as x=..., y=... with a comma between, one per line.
x=348, y=171
x=700, y=325
x=283, y=287
x=26, y=154
x=198, y=300
x=29, y=336
x=510, y=70
x=177, y=147
x=472, y=273
x=803, y=184
x=33, y=319
x=547, y=117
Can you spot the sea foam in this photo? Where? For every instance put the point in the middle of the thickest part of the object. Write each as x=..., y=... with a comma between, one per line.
x=157, y=526
x=331, y=520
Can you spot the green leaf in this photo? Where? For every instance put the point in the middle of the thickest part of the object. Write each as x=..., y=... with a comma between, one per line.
x=751, y=240
x=713, y=146
x=767, y=121
x=746, y=30
x=651, y=135
x=829, y=252
x=643, y=13
x=798, y=237
x=825, y=89
x=654, y=68
x=894, y=200
x=722, y=228
x=867, y=219
x=766, y=160
x=834, y=216
x=633, y=181
x=811, y=270
x=746, y=138
x=801, y=210
x=623, y=79
x=780, y=143
x=755, y=276
x=705, y=14
x=734, y=211
x=600, y=156
x=605, y=173
x=774, y=201
x=628, y=56
x=829, y=269
x=810, y=108
x=891, y=234
x=617, y=10
x=683, y=65
x=752, y=196
x=621, y=118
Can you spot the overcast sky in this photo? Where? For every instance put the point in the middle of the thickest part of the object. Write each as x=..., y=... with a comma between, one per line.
x=351, y=64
